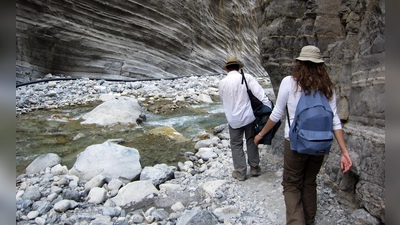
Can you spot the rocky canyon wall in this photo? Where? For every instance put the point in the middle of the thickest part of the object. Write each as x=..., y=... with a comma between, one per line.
x=133, y=39
x=350, y=35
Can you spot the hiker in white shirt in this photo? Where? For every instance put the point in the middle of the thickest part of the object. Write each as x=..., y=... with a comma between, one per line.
x=239, y=114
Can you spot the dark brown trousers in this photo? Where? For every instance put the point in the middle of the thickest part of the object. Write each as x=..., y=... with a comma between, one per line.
x=299, y=186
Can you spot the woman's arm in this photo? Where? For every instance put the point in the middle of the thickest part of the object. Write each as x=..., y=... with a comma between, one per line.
x=278, y=110
x=268, y=126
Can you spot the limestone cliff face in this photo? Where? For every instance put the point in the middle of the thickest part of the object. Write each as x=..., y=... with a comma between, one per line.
x=351, y=36
x=133, y=39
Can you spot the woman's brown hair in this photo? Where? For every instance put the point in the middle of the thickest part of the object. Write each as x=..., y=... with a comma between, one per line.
x=313, y=77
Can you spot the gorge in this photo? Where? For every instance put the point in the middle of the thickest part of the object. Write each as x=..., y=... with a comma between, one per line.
x=166, y=39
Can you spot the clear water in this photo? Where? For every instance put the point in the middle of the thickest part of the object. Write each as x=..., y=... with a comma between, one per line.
x=59, y=131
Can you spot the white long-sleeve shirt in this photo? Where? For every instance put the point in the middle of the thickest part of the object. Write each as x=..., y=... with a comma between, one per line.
x=287, y=95
x=236, y=101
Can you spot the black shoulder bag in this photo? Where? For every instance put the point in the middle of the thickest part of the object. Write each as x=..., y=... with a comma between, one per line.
x=261, y=112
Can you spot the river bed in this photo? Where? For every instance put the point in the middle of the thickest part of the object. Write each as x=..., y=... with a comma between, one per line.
x=59, y=131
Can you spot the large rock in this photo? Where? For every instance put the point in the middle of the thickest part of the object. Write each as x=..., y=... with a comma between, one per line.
x=32, y=193
x=351, y=36
x=168, y=133
x=197, y=216
x=135, y=195
x=97, y=195
x=210, y=188
x=111, y=160
x=206, y=143
x=42, y=162
x=157, y=174
x=117, y=110
x=64, y=205
x=226, y=213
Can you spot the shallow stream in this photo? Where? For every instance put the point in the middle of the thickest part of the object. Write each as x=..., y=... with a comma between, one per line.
x=59, y=131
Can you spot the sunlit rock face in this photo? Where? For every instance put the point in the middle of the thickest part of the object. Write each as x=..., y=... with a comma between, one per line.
x=134, y=39
x=350, y=35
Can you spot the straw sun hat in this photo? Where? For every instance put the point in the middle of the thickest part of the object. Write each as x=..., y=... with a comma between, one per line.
x=310, y=53
x=232, y=61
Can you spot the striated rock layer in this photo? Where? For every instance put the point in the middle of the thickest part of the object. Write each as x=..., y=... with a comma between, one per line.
x=351, y=36
x=133, y=39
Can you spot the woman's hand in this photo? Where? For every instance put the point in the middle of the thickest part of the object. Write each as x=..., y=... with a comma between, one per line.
x=268, y=126
x=345, y=162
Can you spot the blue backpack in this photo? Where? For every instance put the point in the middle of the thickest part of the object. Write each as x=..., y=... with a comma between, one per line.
x=311, y=132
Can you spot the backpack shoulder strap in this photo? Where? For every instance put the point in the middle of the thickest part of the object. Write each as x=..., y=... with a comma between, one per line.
x=287, y=110
x=287, y=114
x=244, y=79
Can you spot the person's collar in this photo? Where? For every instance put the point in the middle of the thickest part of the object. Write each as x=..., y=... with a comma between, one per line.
x=233, y=71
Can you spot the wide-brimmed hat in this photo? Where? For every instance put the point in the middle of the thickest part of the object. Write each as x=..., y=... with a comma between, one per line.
x=232, y=61
x=310, y=53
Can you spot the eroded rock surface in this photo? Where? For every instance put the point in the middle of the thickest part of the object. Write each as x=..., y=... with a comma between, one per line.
x=133, y=39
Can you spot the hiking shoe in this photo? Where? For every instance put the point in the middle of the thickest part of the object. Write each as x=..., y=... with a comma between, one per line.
x=238, y=176
x=255, y=171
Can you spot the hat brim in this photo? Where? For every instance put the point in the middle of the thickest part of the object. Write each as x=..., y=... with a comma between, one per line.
x=233, y=63
x=314, y=60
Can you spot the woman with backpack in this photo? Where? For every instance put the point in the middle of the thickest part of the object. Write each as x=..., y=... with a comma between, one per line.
x=300, y=170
